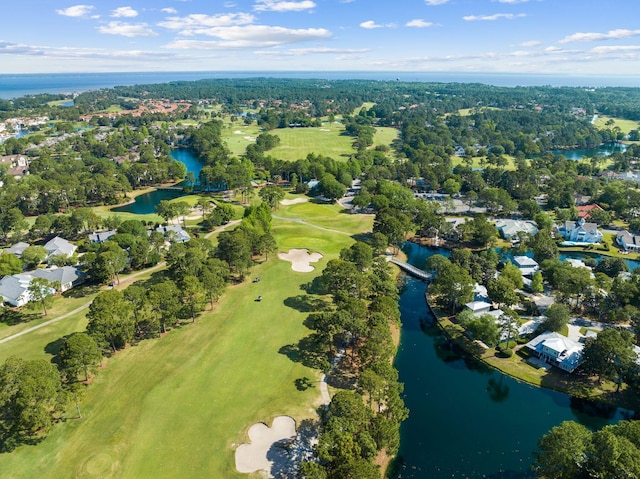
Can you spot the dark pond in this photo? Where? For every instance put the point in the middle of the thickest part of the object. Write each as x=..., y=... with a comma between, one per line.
x=466, y=420
x=145, y=204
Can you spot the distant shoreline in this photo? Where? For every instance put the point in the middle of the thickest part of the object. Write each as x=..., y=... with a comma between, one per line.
x=21, y=84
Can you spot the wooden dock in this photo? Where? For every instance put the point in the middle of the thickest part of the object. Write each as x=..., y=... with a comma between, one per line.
x=412, y=270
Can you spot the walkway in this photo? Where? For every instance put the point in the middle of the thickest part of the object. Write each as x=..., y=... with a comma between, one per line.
x=82, y=307
x=412, y=270
x=222, y=228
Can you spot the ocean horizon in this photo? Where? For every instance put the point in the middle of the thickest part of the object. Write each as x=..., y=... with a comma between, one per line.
x=18, y=85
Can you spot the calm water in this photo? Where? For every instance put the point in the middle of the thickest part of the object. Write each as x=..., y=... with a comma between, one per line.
x=466, y=420
x=601, y=151
x=145, y=204
x=16, y=85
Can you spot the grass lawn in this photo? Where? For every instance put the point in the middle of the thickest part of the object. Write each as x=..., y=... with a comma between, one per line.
x=476, y=162
x=625, y=125
x=327, y=140
x=178, y=406
x=385, y=135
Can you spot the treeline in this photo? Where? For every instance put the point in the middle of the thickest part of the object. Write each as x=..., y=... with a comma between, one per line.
x=352, y=342
x=34, y=394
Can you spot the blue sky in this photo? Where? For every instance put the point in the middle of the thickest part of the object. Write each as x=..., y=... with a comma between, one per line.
x=576, y=37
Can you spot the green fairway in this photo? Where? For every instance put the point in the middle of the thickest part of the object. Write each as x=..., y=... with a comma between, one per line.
x=327, y=140
x=625, y=125
x=178, y=406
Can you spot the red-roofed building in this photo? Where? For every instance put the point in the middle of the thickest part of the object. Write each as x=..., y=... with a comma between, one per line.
x=584, y=210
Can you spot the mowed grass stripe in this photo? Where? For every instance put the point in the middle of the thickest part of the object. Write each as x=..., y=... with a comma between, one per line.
x=178, y=406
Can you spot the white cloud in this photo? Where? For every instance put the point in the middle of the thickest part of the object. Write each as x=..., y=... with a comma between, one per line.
x=311, y=51
x=283, y=6
x=250, y=36
x=127, y=29
x=169, y=10
x=530, y=43
x=495, y=16
x=124, y=12
x=419, y=23
x=7, y=48
x=592, y=37
x=193, y=24
x=606, y=50
x=436, y=2
x=370, y=24
x=78, y=11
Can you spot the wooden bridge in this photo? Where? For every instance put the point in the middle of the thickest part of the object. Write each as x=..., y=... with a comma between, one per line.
x=412, y=270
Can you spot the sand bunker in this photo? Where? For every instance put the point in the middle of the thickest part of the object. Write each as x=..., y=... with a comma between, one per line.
x=250, y=138
x=238, y=132
x=294, y=201
x=262, y=452
x=301, y=259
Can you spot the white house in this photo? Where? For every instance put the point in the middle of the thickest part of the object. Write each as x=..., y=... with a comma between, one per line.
x=557, y=350
x=15, y=289
x=174, y=232
x=527, y=265
x=478, y=307
x=509, y=229
x=59, y=246
x=580, y=231
x=627, y=241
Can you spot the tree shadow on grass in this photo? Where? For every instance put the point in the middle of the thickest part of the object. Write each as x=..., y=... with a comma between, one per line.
x=309, y=352
x=54, y=348
x=83, y=291
x=11, y=317
x=306, y=303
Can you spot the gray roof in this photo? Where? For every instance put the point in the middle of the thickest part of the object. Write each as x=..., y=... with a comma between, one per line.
x=181, y=235
x=59, y=246
x=64, y=275
x=18, y=248
x=589, y=227
x=629, y=238
x=101, y=236
x=12, y=287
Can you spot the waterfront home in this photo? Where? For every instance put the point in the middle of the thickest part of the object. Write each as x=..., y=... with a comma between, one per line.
x=59, y=247
x=478, y=308
x=557, y=350
x=580, y=231
x=14, y=289
x=627, y=241
x=509, y=229
x=101, y=236
x=527, y=265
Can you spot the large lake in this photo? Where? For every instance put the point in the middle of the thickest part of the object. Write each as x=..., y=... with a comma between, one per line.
x=600, y=152
x=466, y=420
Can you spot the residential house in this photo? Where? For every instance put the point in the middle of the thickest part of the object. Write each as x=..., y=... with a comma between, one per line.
x=557, y=350
x=17, y=249
x=527, y=265
x=509, y=229
x=580, y=231
x=584, y=211
x=174, y=232
x=101, y=236
x=67, y=276
x=478, y=307
x=59, y=246
x=18, y=165
x=627, y=241
x=14, y=290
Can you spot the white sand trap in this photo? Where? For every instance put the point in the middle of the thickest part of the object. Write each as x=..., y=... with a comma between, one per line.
x=324, y=129
x=250, y=138
x=294, y=201
x=238, y=132
x=301, y=259
x=252, y=457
